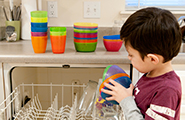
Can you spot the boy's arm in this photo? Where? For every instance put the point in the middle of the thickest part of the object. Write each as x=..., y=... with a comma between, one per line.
x=130, y=109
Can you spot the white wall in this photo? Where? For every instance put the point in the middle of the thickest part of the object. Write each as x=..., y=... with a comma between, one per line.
x=70, y=11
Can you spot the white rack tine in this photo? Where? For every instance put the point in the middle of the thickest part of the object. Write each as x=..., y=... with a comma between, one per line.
x=51, y=91
x=23, y=92
x=56, y=102
x=32, y=88
x=33, y=110
x=62, y=94
x=7, y=98
x=72, y=92
x=37, y=102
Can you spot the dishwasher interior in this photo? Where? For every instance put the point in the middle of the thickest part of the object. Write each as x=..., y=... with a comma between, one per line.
x=56, y=92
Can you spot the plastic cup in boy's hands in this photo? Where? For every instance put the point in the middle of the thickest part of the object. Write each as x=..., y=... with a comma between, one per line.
x=115, y=73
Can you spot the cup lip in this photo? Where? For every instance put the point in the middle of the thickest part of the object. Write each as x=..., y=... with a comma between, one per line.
x=58, y=32
x=39, y=36
x=57, y=29
x=39, y=14
x=38, y=32
x=39, y=20
x=57, y=35
x=39, y=29
x=39, y=24
x=35, y=34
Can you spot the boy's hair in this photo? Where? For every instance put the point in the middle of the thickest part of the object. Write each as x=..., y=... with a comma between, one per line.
x=153, y=30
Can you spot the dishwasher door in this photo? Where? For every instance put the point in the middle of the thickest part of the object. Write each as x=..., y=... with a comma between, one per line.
x=53, y=75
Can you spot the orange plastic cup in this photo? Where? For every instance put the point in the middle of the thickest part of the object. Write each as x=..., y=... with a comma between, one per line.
x=39, y=44
x=58, y=44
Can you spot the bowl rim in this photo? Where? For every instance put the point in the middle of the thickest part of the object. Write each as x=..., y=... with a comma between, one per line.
x=85, y=24
x=85, y=41
x=115, y=40
x=112, y=77
x=85, y=38
x=85, y=31
x=111, y=37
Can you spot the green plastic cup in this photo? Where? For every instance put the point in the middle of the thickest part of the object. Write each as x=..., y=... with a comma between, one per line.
x=39, y=14
x=57, y=29
x=57, y=33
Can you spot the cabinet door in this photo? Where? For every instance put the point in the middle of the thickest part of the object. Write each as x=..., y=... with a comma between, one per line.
x=180, y=70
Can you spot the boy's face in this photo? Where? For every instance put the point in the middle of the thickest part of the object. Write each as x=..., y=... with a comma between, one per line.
x=142, y=66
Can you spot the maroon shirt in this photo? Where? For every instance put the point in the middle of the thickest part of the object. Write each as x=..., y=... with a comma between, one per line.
x=159, y=97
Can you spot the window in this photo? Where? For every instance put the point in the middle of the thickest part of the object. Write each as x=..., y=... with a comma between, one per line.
x=174, y=5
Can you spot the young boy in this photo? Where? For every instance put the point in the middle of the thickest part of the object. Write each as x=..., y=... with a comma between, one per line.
x=152, y=38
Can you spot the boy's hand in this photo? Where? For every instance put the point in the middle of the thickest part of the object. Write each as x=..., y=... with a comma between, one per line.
x=118, y=92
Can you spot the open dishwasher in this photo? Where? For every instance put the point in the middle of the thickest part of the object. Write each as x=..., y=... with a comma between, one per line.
x=26, y=101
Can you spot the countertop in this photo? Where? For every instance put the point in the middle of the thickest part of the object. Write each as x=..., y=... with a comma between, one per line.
x=22, y=52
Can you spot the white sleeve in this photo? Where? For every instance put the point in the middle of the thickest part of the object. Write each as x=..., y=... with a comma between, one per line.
x=130, y=109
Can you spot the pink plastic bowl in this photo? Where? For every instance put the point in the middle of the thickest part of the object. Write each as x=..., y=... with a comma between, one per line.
x=112, y=45
x=38, y=33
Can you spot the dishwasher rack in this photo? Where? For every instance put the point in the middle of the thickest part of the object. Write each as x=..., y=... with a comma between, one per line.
x=12, y=108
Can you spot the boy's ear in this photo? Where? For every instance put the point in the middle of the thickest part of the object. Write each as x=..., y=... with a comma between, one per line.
x=154, y=58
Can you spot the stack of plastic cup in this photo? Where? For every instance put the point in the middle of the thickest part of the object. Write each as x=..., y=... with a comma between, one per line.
x=58, y=39
x=85, y=36
x=39, y=21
